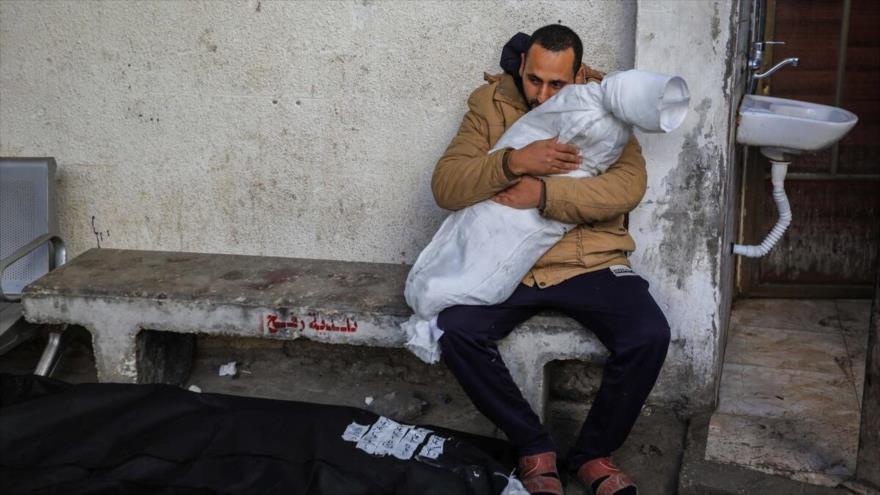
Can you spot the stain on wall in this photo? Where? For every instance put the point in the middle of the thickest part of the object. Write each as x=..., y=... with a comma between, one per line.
x=695, y=213
x=99, y=234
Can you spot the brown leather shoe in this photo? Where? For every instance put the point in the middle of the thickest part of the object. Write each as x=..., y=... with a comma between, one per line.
x=602, y=477
x=539, y=475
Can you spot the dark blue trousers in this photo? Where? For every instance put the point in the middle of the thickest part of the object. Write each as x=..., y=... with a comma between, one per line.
x=622, y=314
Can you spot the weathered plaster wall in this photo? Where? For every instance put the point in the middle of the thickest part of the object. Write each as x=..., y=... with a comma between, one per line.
x=304, y=129
x=684, y=225
x=736, y=162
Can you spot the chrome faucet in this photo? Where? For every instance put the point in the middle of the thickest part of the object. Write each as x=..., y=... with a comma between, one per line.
x=757, y=59
x=758, y=53
x=789, y=61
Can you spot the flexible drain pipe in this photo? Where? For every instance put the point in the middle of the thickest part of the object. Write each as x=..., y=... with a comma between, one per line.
x=777, y=177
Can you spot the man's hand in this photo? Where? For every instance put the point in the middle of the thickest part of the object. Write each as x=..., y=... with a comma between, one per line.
x=523, y=195
x=544, y=157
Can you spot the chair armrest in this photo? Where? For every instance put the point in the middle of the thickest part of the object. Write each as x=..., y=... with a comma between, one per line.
x=59, y=258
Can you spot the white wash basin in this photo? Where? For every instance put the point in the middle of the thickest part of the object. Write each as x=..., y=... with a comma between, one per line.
x=779, y=125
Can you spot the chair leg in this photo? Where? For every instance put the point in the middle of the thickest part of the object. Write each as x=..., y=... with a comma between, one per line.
x=52, y=352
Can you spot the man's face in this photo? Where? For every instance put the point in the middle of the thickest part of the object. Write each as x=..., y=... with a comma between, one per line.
x=544, y=73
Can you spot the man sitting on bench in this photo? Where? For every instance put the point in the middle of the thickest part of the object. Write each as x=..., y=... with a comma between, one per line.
x=586, y=275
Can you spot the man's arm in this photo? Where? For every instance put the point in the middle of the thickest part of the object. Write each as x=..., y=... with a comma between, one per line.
x=603, y=197
x=466, y=174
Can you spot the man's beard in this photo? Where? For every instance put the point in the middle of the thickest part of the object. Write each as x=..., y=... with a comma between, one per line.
x=533, y=104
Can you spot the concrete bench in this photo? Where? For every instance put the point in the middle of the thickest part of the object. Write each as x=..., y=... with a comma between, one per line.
x=117, y=293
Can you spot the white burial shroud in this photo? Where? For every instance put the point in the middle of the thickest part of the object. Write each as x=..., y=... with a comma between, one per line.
x=481, y=253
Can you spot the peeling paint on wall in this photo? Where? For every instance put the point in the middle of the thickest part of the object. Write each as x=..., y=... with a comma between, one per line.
x=679, y=227
x=694, y=213
x=716, y=23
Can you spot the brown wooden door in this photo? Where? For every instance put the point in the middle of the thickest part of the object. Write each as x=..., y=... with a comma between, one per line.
x=830, y=247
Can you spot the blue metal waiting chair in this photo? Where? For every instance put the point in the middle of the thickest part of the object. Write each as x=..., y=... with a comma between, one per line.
x=30, y=247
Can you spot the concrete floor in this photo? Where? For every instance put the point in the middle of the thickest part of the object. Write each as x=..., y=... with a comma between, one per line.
x=791, y=388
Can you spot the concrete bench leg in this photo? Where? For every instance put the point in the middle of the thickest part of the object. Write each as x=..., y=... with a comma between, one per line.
x=115, y=353
x=142, y=356
x=531, y=379
x=526, y=365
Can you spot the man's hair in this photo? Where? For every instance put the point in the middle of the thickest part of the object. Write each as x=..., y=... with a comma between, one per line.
x=557, y=38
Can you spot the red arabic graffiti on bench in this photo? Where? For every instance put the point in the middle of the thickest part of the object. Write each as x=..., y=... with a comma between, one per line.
x=274, y=324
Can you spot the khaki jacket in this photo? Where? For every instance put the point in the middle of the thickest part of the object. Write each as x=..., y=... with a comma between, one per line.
x=467, y=174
